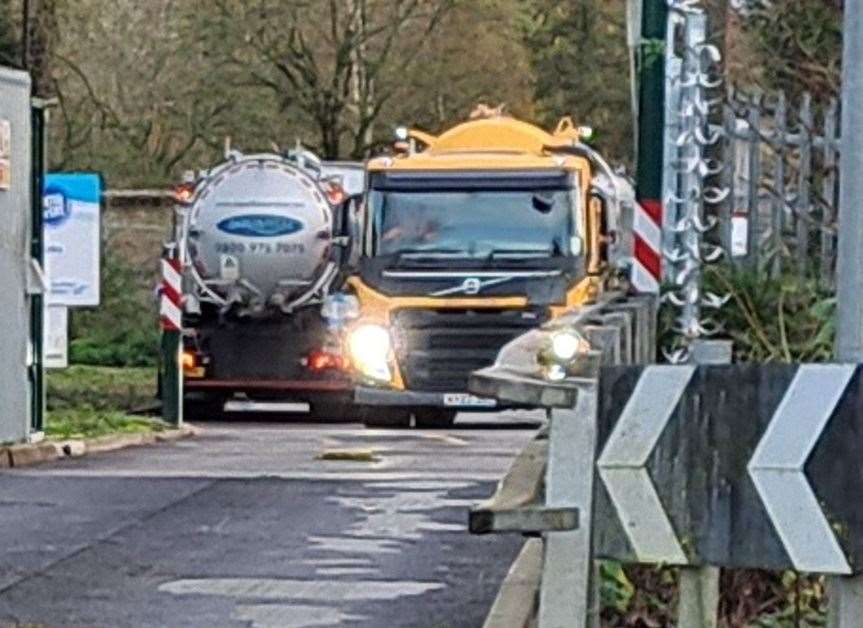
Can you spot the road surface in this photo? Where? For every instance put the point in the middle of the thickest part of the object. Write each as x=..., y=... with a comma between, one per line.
x=245, y=525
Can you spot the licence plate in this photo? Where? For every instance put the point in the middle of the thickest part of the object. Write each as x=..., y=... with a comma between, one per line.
x=465, y=400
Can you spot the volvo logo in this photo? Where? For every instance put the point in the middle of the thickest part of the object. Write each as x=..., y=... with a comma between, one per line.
x=471, y=286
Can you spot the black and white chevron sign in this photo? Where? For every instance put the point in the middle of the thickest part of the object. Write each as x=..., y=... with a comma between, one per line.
x=736, y=466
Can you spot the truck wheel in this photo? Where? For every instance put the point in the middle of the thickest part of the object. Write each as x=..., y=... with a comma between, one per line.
x=203, y=410
x=330, y=411
x=377, y=416
x=435, y=418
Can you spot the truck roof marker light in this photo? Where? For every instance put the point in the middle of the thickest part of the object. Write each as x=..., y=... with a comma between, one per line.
x=566, y=130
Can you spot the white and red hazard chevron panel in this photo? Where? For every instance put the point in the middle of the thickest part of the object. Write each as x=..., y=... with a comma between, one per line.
x=170, y=306
x=647, y=257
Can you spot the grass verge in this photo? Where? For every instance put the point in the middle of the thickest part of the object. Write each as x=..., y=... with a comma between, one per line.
x=92, y=401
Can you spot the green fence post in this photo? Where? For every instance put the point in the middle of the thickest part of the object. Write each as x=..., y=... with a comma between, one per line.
x=39, y=115
x=651, y=118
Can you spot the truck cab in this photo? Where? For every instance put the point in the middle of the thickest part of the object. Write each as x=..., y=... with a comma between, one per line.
x=469, y=239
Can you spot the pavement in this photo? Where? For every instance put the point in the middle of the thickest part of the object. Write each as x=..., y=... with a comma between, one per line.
x=252, y=524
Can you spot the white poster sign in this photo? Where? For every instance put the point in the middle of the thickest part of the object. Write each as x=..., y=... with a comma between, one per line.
x=739, y=235
x=72, y=231
x=5, y=154
x=56, y=337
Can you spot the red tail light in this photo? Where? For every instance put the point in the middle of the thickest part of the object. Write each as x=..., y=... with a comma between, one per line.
x=325, y=361
x=183, y=193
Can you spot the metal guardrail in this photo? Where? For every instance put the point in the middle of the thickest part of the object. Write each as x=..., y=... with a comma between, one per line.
x=705, y=465
x=539, y=495
x=518, y=504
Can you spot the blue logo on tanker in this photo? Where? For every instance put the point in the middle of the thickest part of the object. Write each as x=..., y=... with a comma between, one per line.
x=260, y=225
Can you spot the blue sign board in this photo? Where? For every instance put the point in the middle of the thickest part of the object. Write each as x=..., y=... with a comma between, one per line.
x=71, y=206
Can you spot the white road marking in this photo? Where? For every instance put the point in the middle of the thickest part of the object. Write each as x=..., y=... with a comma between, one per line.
x=346, y=571
x=419, y=485
x=352, y=545
x=291, y=616
x=309, y=590
x=338, y=562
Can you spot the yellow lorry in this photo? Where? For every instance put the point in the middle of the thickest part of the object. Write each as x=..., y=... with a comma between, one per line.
x=471, y=238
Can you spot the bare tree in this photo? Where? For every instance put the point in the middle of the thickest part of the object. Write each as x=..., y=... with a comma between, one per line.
x=130, y=105
x=337, y=62
x=39, y=34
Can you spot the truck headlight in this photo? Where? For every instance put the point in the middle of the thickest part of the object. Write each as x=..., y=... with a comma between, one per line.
x=566, y=345
x=561, y=354
x=369, y=347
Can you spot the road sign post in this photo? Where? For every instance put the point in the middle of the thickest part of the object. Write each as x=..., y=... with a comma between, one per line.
x=846, y=594
x=651, y=132
x=171, y=366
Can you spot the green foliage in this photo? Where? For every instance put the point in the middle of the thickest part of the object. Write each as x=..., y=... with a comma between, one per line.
x=123, y=330
x=87, y=422
x=808, y=33
x=763, y=599
x=102, y=388
x=86, y=401
x=10, y=51
x=581, y=68
x=788, y=319
x=636, y=596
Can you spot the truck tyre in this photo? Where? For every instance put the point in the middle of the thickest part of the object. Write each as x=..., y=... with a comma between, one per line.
x=331, y=412
x=383, y=417
x=203, y=410
x=435, y=418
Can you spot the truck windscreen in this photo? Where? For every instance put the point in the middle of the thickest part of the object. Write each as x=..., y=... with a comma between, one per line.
x=475, y=223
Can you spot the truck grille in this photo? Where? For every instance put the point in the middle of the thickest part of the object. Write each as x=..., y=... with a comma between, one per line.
x=438, y=349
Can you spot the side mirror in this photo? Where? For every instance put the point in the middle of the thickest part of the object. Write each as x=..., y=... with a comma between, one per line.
x=597, y=249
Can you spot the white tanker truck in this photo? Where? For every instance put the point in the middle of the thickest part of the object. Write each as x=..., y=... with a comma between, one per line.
x=263, y=241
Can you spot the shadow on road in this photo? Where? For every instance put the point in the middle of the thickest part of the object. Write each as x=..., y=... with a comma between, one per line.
x=468, y=422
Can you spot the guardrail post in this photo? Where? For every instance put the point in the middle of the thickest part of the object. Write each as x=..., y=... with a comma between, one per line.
x=565, y=590
x=846, y=602
x=699, y=597
x=699, y=586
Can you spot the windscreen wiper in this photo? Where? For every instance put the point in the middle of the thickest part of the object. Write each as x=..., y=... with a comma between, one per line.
x=520, y=254
x=434, y=253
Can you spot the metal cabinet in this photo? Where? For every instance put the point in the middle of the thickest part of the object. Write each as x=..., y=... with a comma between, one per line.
x=21, y=278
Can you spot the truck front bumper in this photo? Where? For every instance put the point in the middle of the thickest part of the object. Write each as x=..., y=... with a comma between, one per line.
x=277, y=385
x=369, y=396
